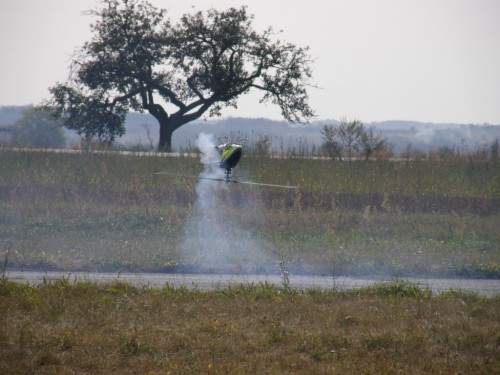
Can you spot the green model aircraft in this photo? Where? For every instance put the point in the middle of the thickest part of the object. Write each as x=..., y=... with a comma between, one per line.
x=230, y=156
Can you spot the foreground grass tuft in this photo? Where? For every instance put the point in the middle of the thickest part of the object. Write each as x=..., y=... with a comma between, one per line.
x=81, y=327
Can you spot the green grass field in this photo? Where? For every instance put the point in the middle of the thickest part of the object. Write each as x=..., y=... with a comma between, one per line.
x=109, y=212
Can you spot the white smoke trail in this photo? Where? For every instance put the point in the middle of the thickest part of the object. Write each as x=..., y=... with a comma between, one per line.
x=214, y=239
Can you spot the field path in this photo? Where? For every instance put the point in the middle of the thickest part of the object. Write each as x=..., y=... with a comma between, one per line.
x=487, y=287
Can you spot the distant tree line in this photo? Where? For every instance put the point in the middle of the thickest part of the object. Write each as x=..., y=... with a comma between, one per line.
x=343, y=140
x=350, y=139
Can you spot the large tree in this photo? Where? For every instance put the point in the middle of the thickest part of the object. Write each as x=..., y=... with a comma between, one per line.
x=139, y=60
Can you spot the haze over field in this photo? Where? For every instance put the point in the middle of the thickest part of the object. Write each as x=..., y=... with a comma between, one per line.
x=427, y=61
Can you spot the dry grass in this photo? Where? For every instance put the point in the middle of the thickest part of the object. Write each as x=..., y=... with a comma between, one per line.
x=84, y=328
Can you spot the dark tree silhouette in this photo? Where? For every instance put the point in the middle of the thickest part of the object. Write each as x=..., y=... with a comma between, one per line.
x=349, y=133
x=138, y=60
x=331, y=147
x=369, y=143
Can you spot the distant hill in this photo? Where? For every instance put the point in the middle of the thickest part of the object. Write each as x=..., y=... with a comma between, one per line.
x=143, y=129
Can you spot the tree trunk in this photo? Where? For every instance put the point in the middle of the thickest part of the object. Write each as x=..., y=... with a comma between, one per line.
x=168, y=125
x=166, y=131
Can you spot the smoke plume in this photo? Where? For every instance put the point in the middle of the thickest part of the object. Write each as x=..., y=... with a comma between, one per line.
x=215, y=239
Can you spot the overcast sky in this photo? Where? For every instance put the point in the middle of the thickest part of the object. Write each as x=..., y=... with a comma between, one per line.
x=423, y=60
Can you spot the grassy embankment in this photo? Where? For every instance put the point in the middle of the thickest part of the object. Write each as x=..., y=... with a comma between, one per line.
x=109, y=212
x=74, y=328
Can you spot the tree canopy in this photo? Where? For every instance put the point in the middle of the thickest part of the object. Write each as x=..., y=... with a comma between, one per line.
x=139, y=60
x=37, y=129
